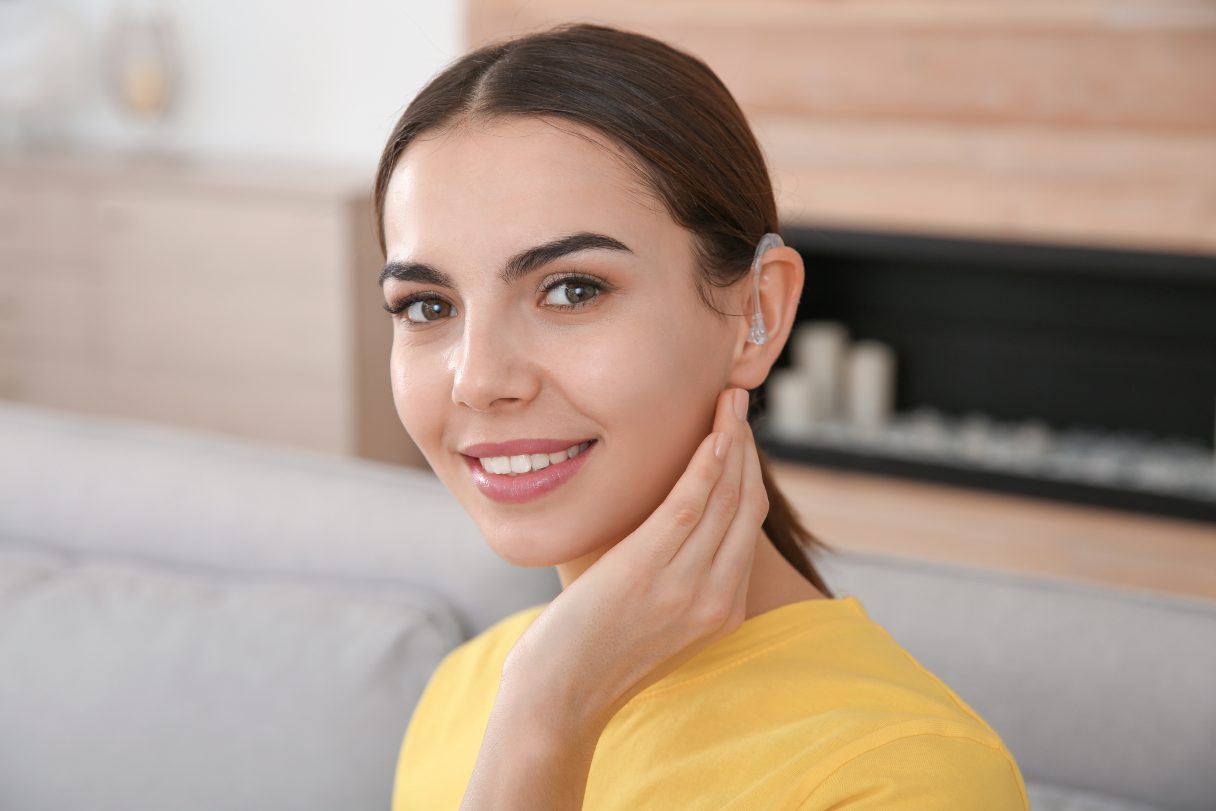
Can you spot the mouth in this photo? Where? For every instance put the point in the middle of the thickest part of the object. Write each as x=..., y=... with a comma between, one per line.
x=515, y=488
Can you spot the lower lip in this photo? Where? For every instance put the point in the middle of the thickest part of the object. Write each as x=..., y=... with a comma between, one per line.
x=526, y=486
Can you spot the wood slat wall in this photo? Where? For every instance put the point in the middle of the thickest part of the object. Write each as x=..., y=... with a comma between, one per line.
x=1066, y=121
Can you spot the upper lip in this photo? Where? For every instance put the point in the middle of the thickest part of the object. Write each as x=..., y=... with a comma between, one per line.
x=519, y=447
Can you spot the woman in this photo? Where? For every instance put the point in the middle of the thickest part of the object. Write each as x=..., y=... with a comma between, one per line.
x=569, y=220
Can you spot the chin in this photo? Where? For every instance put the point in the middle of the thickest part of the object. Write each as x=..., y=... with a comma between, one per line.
x=528, y=550
x=523, y=552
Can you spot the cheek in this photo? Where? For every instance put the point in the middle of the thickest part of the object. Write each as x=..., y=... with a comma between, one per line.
x=653, y=398
x=415, y=387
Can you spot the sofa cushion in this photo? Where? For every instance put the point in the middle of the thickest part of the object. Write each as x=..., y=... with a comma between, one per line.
x=1045, y=797
x=131, y=686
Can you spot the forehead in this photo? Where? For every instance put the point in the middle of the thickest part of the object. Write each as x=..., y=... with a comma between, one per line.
x=497, y=186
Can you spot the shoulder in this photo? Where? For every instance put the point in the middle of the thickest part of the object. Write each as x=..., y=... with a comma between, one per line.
x=919, y=765
x=886, y=683
x=901, y=737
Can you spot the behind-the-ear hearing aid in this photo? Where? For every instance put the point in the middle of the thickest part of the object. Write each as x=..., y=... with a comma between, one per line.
x=758, y=333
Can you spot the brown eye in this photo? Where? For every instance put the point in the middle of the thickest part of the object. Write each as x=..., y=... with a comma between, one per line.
x=576, y=292
x=428, y=309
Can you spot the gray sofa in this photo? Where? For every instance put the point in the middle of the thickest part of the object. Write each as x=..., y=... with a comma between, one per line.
x=189, y=621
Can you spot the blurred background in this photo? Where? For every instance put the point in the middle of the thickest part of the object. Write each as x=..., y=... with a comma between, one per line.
x=1004, y=360
x=1008, y=212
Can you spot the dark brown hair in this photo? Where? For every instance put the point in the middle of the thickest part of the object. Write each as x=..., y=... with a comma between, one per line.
x=684, y=131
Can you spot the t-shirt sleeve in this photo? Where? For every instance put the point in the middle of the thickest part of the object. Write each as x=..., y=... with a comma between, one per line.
x=924, y=771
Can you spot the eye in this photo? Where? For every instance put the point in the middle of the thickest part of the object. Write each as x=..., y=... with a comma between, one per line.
x=578, y=291
x=421, y=308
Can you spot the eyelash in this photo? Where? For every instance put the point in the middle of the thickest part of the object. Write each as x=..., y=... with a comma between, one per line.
x=397, y=310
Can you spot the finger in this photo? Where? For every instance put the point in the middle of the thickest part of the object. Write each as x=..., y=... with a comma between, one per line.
x=738, y=547
x=739, y=605
x=691, y=561
x=681, y=511
x=670, y=525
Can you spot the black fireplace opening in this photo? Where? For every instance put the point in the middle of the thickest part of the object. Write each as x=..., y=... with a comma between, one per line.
x=1110, y=353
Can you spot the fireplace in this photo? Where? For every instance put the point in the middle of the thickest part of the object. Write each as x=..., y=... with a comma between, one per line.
x=1060, y=371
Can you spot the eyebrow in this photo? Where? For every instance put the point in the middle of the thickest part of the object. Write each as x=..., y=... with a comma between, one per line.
x=517, y=266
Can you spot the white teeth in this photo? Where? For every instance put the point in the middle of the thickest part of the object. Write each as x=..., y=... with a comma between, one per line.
x=523, y=463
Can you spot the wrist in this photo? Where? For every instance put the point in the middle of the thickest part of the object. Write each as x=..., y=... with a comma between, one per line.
x=528, y=761
x=552, y=716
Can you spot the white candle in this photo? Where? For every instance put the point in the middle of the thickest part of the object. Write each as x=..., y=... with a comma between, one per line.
x=870, y=386
x=819, y=349
x=790, y=403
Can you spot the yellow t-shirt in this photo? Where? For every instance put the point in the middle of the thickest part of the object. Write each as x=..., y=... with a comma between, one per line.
x=811, y=705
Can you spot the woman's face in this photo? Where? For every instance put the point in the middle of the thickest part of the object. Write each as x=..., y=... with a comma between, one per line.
x=636, y=368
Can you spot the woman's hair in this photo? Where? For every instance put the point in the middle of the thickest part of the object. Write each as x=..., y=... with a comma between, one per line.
x=679, y=124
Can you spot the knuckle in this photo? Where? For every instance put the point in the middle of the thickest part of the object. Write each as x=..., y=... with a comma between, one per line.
x=762, y=503
x=710, y=615
x=686, y=515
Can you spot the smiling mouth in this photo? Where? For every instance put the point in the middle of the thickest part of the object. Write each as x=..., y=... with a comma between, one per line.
x=512, y=487
x=525, y=464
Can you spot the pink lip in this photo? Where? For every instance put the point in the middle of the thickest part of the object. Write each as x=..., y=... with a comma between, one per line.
x=525, y=486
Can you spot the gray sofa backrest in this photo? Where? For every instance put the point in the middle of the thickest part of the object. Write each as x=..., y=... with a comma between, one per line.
x=124, y=488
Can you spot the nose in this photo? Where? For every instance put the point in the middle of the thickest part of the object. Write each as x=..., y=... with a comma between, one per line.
x=493, y=363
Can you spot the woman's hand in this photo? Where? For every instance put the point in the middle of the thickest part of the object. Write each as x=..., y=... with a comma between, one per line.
x=655, y=599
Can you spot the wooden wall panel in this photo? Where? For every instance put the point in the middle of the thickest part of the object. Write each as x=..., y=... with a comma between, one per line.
x=1078, y=121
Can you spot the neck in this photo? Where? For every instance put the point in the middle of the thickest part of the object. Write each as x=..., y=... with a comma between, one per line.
x=773, y=582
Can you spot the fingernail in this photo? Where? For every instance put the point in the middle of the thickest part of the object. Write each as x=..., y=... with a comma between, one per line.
x=722, y=445
x=741, y=404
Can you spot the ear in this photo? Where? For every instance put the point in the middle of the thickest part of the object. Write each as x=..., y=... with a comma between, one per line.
x=781, y=278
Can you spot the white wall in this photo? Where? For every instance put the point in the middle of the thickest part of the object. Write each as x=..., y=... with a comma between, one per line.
x=281, y=79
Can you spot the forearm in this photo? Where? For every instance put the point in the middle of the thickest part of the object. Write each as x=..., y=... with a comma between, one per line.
x=526, y=763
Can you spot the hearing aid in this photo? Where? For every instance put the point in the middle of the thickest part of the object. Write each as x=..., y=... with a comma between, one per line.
x=758, y=334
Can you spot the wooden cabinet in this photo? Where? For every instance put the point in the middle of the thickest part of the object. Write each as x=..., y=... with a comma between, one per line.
x=221, y=297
